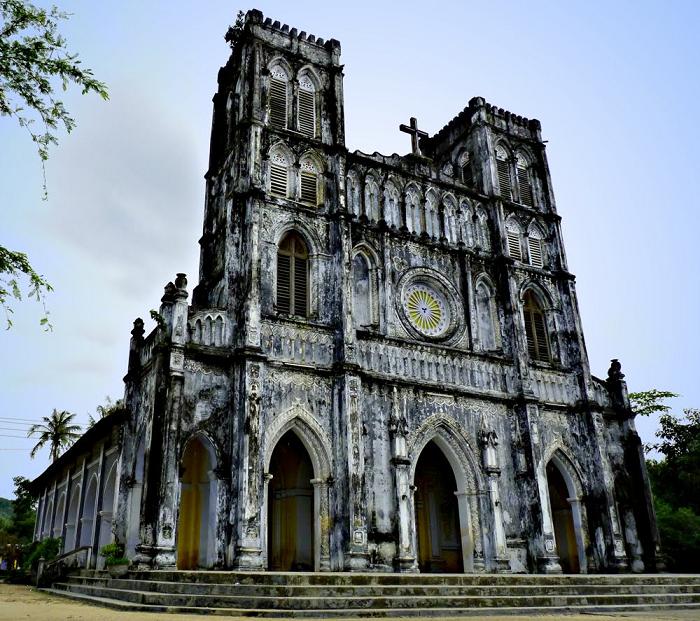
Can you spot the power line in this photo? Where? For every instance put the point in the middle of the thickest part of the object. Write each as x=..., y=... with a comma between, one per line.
x=24, y=420
x=13, y=449
x=4, y=435
x=11, y=429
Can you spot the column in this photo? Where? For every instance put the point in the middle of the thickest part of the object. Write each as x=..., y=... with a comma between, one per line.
x=358, y=554
x=96, y=522
x=489, y=442
x=322, y=522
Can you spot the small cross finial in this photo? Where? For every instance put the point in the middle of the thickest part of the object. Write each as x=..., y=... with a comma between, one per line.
x=415, y=134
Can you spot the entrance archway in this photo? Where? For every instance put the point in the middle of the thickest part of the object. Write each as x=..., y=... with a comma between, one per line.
x=290, y=507
x=196, y=527
x=437, y=513
x=563, y=520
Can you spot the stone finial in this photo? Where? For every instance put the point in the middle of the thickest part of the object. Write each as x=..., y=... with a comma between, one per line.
x=168, y=293
x=615, y=373
x=138, y=330
x=181, y=281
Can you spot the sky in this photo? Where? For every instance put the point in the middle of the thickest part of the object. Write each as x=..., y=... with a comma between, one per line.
x=614, y=84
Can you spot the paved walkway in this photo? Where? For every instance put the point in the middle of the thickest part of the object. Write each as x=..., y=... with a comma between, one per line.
x=22, y=602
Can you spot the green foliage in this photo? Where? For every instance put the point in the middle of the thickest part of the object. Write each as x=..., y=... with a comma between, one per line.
x=57, y=431
x=5, y=508
x=34, y=60
x=679, y=529
x=23, y=511
x=114, y=554
x=110, y=407
x=46, y=549
x=675, y=480
x=650, y=401
x=159, y=319
x=233, y=34
x=14, y=266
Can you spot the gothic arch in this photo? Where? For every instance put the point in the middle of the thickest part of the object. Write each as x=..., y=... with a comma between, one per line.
x=523, y=157
x=315, y=441
x=298, y=226
x=372, y=197
x=317, y=444
x=353, y=193
x=503, y=150
x=414, y=208
x=558, y=455
x=280, y=61
x=207, y=442
x=310, y=71
x=392, y=202
x=543, y=297
x=366, y=283
x=470, y=485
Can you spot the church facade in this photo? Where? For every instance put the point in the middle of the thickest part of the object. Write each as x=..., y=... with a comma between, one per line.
x=382, y=367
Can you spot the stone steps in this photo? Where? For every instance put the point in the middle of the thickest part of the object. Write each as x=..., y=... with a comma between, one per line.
x=337, y=595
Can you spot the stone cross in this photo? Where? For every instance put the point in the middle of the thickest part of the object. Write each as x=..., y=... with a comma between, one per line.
x=415, y=134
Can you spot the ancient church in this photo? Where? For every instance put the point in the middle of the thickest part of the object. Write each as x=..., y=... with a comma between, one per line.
x=382, y=367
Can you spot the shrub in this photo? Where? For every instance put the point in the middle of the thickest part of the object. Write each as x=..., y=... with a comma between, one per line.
x=46, y=549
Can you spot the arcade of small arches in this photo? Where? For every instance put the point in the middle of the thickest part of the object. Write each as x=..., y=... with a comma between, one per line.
x=80, y=510
x=448, y=517
x=439, y=216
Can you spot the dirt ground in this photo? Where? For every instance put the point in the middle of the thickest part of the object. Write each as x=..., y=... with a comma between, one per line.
x=23, y=602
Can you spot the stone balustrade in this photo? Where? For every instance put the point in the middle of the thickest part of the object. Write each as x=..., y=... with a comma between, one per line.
x=300, y=344
x=209, y=327
x=555, y=386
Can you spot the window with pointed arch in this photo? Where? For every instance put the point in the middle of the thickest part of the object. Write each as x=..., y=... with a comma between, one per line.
x=505, y=185
x=279, y=173
x=513, y=238
x=535, y=246
x=536, y=329
x=392, y=205
x=293, y=276
x=365, y=306
x=309, y=181
x=372, y=211
x=487, y=317
x=278, y=97
x=352, y=193
x=307, y=106
x=524, y=173
x=466, y=170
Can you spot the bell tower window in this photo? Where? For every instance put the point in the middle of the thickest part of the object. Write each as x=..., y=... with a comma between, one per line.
x=307, y=107
x=278, y=97
x=535, y=329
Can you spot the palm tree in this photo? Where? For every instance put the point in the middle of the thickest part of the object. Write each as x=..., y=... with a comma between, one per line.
x=57, y=431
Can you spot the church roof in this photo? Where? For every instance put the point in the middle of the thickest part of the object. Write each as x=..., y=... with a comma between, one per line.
x=84, y=444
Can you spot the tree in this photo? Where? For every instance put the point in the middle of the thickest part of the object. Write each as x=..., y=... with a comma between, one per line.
x=23, y=511
x=34, y=59
x=675, y=479
x=57, y=431
x=110, y=407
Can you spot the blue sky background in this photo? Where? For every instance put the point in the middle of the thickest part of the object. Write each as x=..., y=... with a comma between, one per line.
x=615, y=85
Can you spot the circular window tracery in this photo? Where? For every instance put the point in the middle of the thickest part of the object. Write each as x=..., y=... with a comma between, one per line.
x=426, y=309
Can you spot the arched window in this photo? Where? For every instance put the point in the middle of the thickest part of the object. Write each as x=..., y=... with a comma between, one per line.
x=524, y=180
x=432, y=223
x=449, y=218
x=278, y=97
x=513, y=235
x=371, y=199
x=535, y=246
x=487, y=317
x=465, y=169
x=392, y=210
x=309, y=181
x=364, y=291
x=279, y=173
x=306, y=106
x=413, y=212
x=352, y=193
x=292, y=276
x=535, y=329
x=503, y=171
x=484, y=231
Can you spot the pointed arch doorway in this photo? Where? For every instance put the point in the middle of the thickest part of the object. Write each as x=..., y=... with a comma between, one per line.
x=196, y=527
x=290, y=504
x=563, y=520
x=437, y=514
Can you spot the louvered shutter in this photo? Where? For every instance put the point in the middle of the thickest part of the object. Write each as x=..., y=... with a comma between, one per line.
x=540, y=332
x=307, y=113
x=278, y=179
x=300, y=286
x=283, y=283
x=514, y=249
x=535, y=247
x=308, y=187
x=530, y=334
x=278, y=103
x=504, y=177
x=524, y=186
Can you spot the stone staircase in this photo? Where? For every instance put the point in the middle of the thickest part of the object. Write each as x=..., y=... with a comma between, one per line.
x=272, y=594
